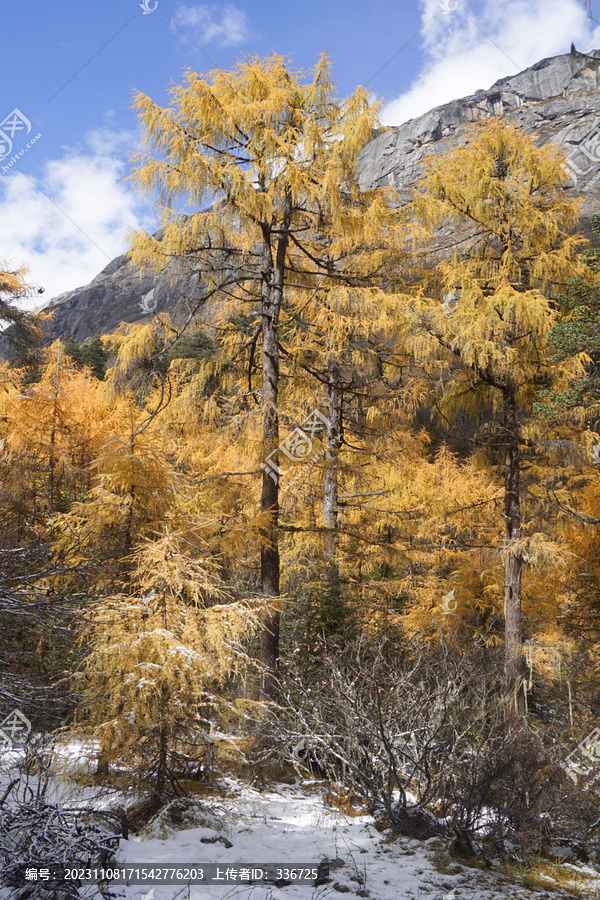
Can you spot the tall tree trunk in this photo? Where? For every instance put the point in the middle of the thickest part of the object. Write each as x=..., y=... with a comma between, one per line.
x=513, y=567
x=273, y=279
x=269, y=500
x=162, y=765
x=330, y=487
x=128, y=530
x=53, y=435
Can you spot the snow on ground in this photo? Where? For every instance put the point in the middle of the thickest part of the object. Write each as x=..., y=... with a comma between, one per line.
x=291, y=825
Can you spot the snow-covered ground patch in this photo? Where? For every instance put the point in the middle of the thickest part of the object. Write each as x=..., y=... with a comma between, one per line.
x=292, y=825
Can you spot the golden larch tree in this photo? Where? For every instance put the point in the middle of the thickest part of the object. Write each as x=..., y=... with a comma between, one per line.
x=491, y=307
x=267, y=163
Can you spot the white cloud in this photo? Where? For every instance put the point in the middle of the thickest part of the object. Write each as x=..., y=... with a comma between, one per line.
x=474, y=45
x=69, y=224
x=208, y=23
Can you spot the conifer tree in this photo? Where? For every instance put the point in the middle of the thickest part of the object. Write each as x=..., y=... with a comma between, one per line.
x=24, y=334
x=276, y=160
x=52, y=428
x=341, y=341
x=578, y=331
x=491, y=309
x=157, y=662
x=130, y=492
x=93, y=354
x=572, y=483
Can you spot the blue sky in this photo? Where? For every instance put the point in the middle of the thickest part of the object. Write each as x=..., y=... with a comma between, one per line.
x=70, y=68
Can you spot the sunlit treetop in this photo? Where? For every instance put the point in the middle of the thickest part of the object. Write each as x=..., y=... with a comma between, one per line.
x=515, y=254
x=258, y=148
x=13, y=288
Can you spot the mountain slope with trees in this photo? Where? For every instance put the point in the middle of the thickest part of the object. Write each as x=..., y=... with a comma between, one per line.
x=556, y=100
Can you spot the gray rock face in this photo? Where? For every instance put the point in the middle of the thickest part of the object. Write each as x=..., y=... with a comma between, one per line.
x=118, y=294
x=115, y=295
x=557, y=100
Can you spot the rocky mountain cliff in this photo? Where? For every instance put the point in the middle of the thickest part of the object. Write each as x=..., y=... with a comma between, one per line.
x=557, y=99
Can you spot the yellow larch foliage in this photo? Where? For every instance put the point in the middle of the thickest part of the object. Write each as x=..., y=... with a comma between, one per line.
x=158, y=662
x=494, y=307
x=53, y=428
x=132, y=487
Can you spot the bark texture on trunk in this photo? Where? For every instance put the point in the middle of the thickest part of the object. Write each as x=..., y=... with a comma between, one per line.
x=164, y=735
x=513, y=567
x=269, y=504
x=53, y=436
x=330, y=486
x=273, y=280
